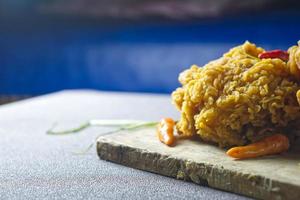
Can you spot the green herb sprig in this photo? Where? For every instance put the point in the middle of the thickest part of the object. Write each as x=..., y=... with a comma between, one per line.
x=118, y=125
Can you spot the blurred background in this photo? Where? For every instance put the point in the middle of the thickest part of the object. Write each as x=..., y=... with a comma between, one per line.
x=128, y=45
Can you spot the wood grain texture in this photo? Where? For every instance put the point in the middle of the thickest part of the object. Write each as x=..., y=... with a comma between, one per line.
x=272, y=177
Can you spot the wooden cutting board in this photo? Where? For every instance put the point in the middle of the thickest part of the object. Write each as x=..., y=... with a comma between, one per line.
x=272, y=177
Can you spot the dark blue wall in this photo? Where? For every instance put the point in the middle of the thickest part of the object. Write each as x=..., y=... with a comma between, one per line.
x=43, y=55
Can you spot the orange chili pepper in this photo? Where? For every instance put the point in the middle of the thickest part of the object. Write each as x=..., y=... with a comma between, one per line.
x=283, y=55
x=274, y=144
x=165, y=131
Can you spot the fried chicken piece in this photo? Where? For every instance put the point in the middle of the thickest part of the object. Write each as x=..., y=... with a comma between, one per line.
x=229, y=100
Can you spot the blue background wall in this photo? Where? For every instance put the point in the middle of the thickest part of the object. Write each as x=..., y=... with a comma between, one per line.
x=40, y=55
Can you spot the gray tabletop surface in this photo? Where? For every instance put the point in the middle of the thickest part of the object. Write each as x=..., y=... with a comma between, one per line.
x=34, y=165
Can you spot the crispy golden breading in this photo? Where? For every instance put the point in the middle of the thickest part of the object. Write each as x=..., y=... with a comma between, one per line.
x=230, y=100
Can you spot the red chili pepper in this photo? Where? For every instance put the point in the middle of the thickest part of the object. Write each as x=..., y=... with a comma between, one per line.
x=283, y=55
